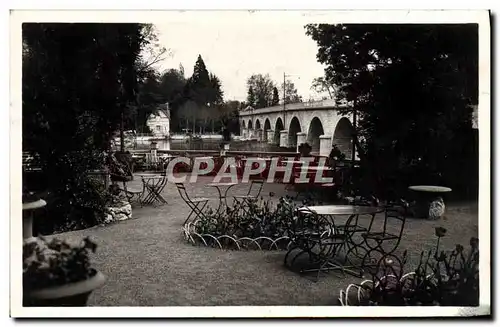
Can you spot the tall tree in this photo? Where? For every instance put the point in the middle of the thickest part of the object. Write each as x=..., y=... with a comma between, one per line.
x=321, y=86
x=261, y=86
x=216, y=95
x=199, y=84
x=290, y=92
x=412, y=87
x=251, y=98
x=276, y=96
x=172, y=85
x=78, y=82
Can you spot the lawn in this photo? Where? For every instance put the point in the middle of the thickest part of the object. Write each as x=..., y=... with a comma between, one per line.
x=148, y=263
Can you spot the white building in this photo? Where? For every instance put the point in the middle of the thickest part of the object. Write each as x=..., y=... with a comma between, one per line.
x=159, y=121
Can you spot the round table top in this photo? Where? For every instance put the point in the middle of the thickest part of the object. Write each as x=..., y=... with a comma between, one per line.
x=151, y=175
x=343, y=210
x=34, y=205
x=203, y=158
x=220, y=184
x=300, y=162
x=318, y=168
x=255, y=159
x=429, y=188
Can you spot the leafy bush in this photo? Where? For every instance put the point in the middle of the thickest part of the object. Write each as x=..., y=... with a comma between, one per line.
x=55, y=263
x=259, y=218
x=74, y=199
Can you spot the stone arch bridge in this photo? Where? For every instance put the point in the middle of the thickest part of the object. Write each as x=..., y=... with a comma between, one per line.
x=318, y=123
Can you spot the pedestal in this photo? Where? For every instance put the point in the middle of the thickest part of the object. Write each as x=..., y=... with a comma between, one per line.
x=270, y=136
x=429, y=203
x=301, y=138
x=28, y=211
x=325, y=146
x=284, y=139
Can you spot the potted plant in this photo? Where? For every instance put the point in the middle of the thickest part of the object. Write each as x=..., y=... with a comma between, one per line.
x=57, y=273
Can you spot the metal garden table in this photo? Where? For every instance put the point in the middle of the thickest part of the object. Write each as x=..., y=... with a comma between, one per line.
x=349, y=229
x=222, y=198
x=154, y=185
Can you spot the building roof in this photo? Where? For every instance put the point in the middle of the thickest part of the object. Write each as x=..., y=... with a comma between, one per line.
x=164, y=108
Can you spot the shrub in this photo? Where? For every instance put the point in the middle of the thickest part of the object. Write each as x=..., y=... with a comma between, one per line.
x=55, y=263
x=260, y=218
x=441, y=278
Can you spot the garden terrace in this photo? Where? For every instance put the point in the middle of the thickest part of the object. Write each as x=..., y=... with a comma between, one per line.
x=148, y=262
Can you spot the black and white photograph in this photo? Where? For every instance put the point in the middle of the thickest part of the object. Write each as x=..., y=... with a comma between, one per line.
x=250, y=163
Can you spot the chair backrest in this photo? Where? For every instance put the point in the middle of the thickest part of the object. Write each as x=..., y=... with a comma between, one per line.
x=255, y=185
x=311, y=229
x=183, y=193
x=396, y=214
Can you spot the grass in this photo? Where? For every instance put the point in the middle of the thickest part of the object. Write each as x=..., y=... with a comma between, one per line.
x=148, y=263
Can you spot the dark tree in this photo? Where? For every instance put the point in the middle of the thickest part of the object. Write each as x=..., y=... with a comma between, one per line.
x=260, y=90
x=276, y=97
x=251, y=98
x=199, y=85
x=290, y=92
x=413, y=88
x=79, y=80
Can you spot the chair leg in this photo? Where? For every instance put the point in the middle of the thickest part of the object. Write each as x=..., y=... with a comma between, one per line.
x=196, y=211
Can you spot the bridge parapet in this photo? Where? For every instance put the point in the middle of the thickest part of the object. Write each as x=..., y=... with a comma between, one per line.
x=308, y=105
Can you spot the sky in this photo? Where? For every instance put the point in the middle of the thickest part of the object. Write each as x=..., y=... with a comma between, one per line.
x=235, y=50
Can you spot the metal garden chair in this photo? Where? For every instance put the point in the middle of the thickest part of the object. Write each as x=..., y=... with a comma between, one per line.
x=317, y=237
x=195, y=204
x=387, y=240
x=243, y=201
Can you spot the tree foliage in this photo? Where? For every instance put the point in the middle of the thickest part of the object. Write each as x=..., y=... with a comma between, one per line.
x=290, y=92
x=78, y=81
x=412, y=87
x=322, y=86
x=276, y=97
x=260, y=91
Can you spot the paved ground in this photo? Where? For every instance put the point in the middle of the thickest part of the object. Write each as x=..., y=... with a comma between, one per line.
x=148, y=263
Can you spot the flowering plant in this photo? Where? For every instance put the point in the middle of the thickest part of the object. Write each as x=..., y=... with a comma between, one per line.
x=55, y=263
x=442, y=278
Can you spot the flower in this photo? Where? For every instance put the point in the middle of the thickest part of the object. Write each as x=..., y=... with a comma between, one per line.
x=474, y=242
x=440, y=231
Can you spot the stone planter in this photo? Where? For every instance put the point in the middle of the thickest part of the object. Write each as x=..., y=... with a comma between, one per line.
x=70, y=295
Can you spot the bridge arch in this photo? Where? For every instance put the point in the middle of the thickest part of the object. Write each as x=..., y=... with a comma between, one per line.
x=257, y=124
x=314, y=132
x=250, y=124
x=278, y=126
x=267, y=126
x=292, y=132
x=342, y=137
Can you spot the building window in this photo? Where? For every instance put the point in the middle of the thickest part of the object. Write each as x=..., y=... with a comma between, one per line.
x=158, y=128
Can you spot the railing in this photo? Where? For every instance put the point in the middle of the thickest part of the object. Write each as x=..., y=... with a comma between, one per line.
x=323, y=104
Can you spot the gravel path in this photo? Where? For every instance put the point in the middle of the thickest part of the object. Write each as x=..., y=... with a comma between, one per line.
x=148, y=263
